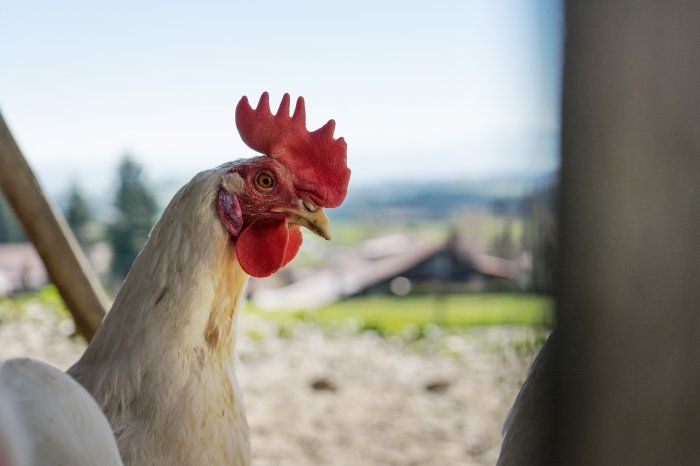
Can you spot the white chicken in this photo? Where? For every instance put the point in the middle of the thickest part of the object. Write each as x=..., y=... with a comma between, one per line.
x=47, y=419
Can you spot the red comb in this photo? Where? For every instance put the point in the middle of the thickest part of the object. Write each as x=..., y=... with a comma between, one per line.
x=316, y=159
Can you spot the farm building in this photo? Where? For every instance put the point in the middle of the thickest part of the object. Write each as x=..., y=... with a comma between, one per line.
x=21, y=268
x=398, y=264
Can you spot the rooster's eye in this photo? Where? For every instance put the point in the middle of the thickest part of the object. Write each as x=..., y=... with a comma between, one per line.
x=264, y=181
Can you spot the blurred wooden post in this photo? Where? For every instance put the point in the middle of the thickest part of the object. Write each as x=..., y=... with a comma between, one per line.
x=47, y=230
x=628, y=350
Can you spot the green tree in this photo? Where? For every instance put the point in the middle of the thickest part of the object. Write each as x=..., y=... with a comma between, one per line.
x=10, y=231
x=136, y=209
x=79, y=215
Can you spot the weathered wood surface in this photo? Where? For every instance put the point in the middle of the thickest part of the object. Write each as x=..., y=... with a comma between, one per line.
x=47, y=230
x=628, y=353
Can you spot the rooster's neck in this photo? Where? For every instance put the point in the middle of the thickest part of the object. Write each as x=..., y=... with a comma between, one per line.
x=161, y=365
x=229, y=290
x=179, y=303
x=189, y=275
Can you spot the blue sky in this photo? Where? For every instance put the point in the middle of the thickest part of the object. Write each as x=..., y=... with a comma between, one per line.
x=420, y=90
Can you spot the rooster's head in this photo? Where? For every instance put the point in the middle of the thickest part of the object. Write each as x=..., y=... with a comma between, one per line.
x=264, y=200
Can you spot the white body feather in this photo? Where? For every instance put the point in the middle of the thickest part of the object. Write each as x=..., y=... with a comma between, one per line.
x=161, y=366
x=48, y=419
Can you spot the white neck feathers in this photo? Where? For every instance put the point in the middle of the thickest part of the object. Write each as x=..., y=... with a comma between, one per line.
x=177, y=309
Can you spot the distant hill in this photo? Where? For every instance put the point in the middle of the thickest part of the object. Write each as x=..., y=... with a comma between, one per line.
x=434, y=200
x=437, y=200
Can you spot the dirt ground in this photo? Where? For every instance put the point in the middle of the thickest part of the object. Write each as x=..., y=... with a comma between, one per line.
x=316, y=397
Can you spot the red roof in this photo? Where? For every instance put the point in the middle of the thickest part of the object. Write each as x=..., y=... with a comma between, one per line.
x=20, y=268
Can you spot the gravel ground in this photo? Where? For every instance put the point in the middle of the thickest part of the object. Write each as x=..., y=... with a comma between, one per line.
x=316, y=397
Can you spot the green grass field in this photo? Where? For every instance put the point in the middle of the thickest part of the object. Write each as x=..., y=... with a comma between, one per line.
x=482, y=227
x=390, y=315
x=48, y=298
x=383, y=314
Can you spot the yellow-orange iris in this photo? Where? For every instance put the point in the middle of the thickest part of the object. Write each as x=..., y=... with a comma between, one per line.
x=264, y=181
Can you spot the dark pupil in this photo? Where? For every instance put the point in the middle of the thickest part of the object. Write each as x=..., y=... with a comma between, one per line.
x=266, y=181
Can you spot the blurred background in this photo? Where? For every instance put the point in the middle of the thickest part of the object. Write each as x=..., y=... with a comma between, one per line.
x=403, y=340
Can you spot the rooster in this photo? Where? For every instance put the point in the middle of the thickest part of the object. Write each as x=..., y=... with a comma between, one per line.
x=161, y=366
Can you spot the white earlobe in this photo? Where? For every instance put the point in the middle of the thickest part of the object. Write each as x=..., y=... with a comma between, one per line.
x=233, y=183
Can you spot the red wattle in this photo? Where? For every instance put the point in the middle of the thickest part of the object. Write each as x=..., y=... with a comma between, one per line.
x=293, y=246
x=266, y=246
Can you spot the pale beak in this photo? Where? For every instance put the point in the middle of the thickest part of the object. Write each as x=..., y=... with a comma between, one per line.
x=315, y=220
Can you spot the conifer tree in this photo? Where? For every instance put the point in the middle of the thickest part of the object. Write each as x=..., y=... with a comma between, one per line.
x=136, y=210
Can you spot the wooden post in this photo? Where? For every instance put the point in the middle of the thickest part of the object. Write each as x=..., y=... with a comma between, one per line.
x=627, y=353
x=618, y=382
x=47, y=230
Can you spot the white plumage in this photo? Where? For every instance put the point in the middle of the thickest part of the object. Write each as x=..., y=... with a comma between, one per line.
x=161, y=366
x=48, y=419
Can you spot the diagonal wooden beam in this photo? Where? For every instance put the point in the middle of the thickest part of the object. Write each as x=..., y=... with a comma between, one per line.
x=46, y=228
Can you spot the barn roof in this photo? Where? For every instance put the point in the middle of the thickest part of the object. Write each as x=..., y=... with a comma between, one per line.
x=373, y=262
x=20, y=268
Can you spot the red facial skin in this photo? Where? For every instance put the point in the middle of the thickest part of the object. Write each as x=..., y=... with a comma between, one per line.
x=265, y=242
x=257, y=204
